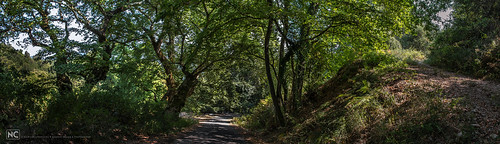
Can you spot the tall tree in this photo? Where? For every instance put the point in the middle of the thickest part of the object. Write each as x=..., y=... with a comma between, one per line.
x=267, y=38
x=101, y=24
x=362, y=25
x=471, y=43
x=46, y=27
x=188, y=38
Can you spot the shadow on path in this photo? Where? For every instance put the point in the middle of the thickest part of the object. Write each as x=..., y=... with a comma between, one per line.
x=213, y=129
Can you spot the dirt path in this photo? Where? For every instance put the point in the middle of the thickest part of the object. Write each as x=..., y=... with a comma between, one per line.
x=481, y=98
x=216, y=129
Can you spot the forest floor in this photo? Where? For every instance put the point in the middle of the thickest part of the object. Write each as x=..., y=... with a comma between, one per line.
x=480, y=98
x=212, y=128
x=467, y=110
x=215, y=128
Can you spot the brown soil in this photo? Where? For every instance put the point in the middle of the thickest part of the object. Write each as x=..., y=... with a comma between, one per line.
x=216, y=128
x=480, y=98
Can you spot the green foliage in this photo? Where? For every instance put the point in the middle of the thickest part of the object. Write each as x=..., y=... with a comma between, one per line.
x=15, y=59
x=470, y=45
x=152, y=119
x=238, y=88
x=139, y=59
x=394, y=43
x=117, y=108
x=112, y=109
x=409, y=55
x=261, y=116
x=419, y=40
x=25, y=89
x=365, y=110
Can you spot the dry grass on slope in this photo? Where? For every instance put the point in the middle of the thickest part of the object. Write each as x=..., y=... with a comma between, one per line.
x=480, y=99
x=416, y=104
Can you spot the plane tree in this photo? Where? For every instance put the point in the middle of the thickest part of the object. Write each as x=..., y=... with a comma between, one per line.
x=44, y=26
x=101, y=25
x=189, y=38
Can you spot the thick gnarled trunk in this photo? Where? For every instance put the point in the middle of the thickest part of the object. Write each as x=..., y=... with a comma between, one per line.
x=185, y=90
x=63, y=81
x=99, y=72
x=175, y=96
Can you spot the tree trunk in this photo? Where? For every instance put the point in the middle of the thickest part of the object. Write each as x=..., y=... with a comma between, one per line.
x=281, y=79
x=301, y=50
x=280, y=75
x=185, y=90
x=298, y=80
x=63, y=82
x=171, y=84
x=283, y=59
x=176, y=96
x=276, y=102
x=292, y=99
x=99, y=72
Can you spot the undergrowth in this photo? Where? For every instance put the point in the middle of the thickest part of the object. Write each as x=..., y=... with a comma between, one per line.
x=409, y=56
x=371, y=110
x=110, y=113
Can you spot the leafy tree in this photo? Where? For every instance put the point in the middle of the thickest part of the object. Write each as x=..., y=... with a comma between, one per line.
x=34, y=19
x=140, y=63
x=26, y=85
x=301, y=26
x=470, y=43
x=102, y=23
x=238, y=87
x=189, y=38
x=418, y=41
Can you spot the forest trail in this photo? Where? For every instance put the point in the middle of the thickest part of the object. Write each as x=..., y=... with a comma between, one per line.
x=480, y=98
x=214, y=129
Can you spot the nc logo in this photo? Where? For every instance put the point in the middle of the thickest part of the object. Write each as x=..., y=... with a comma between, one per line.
x=13, y=134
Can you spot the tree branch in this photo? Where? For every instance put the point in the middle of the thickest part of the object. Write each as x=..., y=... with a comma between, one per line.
x=282, y=34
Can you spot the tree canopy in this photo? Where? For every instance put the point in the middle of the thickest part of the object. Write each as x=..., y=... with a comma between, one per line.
x=139, y=63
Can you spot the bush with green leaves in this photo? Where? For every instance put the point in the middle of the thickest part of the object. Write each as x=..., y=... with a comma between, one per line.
x=25, y=90
x=115, y=108
x=261, y=117
x=417, y=40
x=236, y=89
x=471, y=44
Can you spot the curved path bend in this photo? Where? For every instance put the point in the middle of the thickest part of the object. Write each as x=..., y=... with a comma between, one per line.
x=214, y=129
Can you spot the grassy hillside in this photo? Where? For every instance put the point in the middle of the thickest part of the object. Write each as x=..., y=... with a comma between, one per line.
x=379, y=98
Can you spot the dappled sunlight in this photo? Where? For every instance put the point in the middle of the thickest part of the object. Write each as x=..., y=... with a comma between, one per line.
x=247, y=71
x=213, y=129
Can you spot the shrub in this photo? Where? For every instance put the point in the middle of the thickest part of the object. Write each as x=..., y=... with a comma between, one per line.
x=408, y=55
x=261, y=117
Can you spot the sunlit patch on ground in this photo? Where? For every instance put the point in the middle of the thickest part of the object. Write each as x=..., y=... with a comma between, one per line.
x=214, y=128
